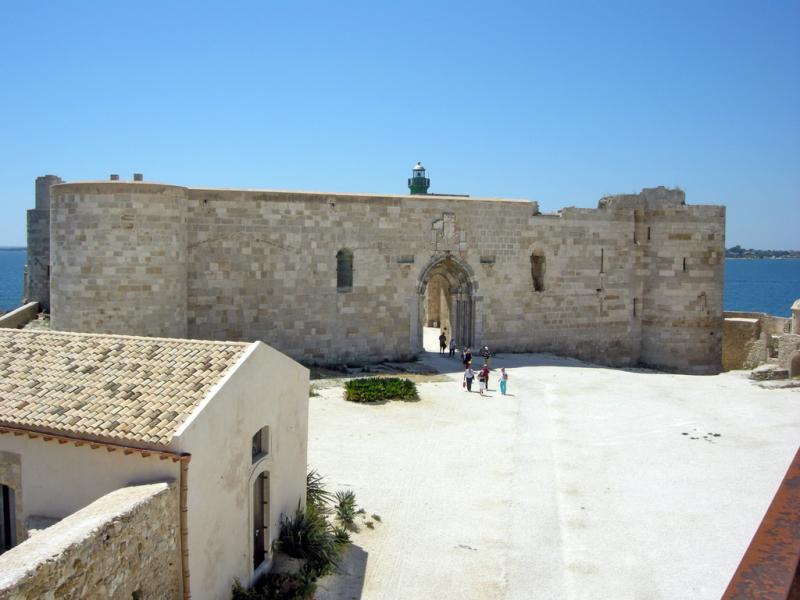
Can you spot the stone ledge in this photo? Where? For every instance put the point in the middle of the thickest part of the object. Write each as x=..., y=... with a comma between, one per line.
x=47, y=561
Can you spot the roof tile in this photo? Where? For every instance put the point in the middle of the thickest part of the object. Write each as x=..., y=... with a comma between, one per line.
x=123, y=388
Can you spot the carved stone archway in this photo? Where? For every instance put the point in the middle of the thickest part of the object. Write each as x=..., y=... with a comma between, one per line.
x=461, y=296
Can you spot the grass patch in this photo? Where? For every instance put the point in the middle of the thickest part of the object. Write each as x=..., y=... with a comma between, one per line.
x=380, y=389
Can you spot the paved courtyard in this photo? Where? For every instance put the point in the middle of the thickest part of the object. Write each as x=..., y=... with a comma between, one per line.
x=585, y=482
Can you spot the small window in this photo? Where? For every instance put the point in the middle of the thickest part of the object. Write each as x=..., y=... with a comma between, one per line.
x=344, y=270
x=602, y=260
x=261, y=443
x=537, y=271
x=684, y=263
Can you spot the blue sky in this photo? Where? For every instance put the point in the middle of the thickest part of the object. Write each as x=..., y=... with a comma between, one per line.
x=559, y=102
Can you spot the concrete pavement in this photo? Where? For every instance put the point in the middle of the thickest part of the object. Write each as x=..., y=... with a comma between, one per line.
x=586, y=482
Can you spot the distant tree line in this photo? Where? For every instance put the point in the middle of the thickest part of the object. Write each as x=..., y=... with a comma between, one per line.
x=739, y=252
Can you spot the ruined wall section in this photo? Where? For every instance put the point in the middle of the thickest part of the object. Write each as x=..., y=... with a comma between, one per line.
x=682, y=305
x=119, y=260
x=123, y=545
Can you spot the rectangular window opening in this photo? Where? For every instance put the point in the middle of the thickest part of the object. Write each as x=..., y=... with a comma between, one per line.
x=684, y=264
x=602, y=260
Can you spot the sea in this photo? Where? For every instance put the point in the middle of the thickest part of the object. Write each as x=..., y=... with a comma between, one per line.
x=756, y=285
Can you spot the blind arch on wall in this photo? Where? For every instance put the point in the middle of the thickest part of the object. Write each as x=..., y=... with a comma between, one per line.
x=344, y=270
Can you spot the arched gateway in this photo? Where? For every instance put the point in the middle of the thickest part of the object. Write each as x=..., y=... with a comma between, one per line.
x=446, y=299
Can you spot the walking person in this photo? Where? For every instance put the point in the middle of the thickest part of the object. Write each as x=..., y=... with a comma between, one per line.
x=503, y=381
x=452, y=347
x=467, y=357
x=487, y=356
x=483, y=379
x=442, y=343
x=469, y=375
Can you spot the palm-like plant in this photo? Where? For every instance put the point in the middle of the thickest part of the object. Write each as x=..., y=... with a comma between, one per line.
x=317, y=496
x=345, y=507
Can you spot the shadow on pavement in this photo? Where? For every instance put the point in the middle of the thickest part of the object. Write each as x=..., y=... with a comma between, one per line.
x=348, y=583
x=445, y=364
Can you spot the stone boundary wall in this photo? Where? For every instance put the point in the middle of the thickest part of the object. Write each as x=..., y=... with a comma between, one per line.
x=751, y=339
x=741, y=343
x=637, y=280
x=123, y=545
x=19, y=316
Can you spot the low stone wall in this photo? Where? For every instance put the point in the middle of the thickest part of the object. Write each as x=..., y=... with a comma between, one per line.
x=788, y=350
x=123, y=545
x=741, y=343
x=19, y=316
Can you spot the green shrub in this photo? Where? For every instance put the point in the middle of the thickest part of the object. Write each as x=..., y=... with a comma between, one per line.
x=345, y=507
x=278, y=587
x=240, y=592
x=377, y=389
x=309, y=536
x=342, y=536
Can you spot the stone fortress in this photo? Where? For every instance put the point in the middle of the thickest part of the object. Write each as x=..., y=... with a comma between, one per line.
x=353, y=278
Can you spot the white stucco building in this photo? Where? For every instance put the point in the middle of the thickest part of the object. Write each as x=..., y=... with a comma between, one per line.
x=83, y=415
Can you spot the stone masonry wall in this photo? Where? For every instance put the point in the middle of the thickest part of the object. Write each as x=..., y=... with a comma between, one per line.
x=682, y=317
x=261, y=265
x=37, y=265
x=124, y=545
x=119, y=260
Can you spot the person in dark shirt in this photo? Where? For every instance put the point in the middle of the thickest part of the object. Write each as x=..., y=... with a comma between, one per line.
x=467, y=357
x=442, y=343
x=487, y=356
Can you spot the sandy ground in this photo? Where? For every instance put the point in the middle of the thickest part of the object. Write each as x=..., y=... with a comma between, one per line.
x=580, y=484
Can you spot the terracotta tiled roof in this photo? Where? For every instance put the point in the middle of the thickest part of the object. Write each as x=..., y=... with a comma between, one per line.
x=120, y=388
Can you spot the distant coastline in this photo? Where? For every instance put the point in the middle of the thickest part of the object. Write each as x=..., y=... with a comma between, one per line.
x=739, y=252
x=12, y=248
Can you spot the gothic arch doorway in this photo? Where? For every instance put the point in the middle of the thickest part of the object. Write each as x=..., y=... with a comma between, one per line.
x=447, y=301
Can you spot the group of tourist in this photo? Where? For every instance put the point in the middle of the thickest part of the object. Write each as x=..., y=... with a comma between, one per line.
x=469, y=373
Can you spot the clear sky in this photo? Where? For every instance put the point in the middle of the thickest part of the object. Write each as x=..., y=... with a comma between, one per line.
x=558, y=102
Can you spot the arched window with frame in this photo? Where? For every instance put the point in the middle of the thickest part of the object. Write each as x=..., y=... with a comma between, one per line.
x=344, y=270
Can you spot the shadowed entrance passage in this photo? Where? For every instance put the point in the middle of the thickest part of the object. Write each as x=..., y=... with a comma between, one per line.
x=447, y=300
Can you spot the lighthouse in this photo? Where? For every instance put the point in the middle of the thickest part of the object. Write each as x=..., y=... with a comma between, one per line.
x=418, y=183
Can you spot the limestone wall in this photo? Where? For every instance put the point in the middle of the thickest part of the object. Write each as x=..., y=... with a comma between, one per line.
x=19, y=316
x=682, y=312
x=261, y=265
x=37, y=266
x=124, y=545
x=119, y=259
x=751, y=339
x=741, y=347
